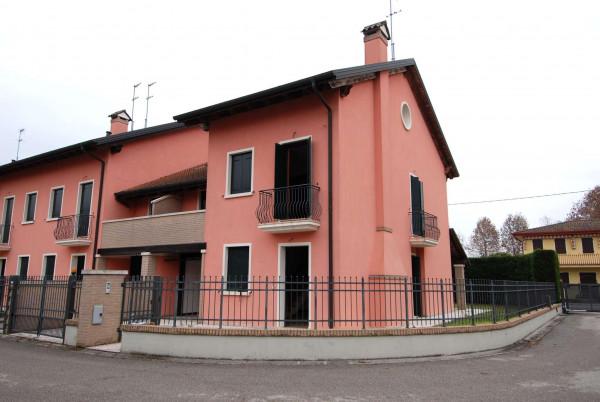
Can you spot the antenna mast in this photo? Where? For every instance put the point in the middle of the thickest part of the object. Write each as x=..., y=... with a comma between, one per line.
x=133, y=99
x=148, y=97
x=19, y=141
x=391, y=17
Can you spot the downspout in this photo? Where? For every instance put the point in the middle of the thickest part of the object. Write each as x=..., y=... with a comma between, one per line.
x=99, y=207
x=329, y=200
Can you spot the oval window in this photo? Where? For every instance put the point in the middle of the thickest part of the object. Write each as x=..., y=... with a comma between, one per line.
x=406, y=115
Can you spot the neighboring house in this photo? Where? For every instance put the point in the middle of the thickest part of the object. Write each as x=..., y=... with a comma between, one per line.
x=335, y=175
x=577, y=244
x=53, y=204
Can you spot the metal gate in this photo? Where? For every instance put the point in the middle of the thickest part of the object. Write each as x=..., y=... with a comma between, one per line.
x=581, y=297
x=42, y=305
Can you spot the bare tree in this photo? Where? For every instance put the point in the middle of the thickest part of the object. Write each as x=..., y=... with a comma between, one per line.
x=546, y=220
x=588, y=207
x=485, y=240
x=512, y=224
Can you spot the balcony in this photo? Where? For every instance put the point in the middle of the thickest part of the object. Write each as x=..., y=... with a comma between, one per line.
x=289, y=209
x=178, y=228
x=424, y=229
x=74, y=230
x=5, y=235
x=578, y=260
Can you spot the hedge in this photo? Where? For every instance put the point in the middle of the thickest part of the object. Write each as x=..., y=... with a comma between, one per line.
x=540, y=266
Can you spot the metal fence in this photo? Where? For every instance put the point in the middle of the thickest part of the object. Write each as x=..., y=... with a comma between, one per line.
x=273, y=302
x=581, y=297
x=40, y=305
x=293, y=202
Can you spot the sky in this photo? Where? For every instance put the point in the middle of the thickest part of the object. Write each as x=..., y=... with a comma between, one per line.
x=515, y=84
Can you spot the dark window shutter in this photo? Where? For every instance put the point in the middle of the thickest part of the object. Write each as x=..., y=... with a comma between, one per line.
x=24, y=267
x=31, y=200
x=50, y=263
x=416, y=205
x=560, y=246
x=587, y=243
x=280, y=166
x=241, y=173
x=237, y=268
x=57, y=196
x=538, y=244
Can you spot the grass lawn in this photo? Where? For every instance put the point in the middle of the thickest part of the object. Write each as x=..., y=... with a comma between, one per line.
x=485, y=317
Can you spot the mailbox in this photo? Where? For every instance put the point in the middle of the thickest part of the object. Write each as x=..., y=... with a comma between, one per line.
x=97, y=313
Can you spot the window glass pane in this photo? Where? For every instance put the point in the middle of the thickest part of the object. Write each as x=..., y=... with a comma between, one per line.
x=587, y=244
x=538, y=244
x=237, y=268
x=241, y=173
x=564, y=277
x=30, y=208
x=2, y=266
x=23, y=267
x=57, y=195
x=560, y=246
x=49, y=266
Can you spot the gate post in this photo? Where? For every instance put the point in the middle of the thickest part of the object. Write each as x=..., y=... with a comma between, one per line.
x=42, y=304
x=100, y=289
x=13, y=286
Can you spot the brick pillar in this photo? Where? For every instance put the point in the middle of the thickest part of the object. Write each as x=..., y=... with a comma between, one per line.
x=461, y=294
x=100, y=288
x=148, y=264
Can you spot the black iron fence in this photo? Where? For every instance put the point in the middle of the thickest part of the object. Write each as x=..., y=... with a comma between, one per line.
x=73, y=227
x=293, y=202
x=424, y=224
x=39, y=305
x=581, y=297
x=273, y=302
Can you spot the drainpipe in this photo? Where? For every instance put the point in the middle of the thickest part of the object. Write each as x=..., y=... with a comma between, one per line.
x=329, y=199
x=99, y=207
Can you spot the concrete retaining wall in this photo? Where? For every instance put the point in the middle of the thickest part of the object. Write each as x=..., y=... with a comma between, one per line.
x=371, y=346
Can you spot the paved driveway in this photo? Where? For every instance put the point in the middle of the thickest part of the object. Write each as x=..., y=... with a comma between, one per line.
x=563, y=366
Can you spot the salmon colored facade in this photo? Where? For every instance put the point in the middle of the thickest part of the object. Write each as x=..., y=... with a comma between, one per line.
x=338, y=175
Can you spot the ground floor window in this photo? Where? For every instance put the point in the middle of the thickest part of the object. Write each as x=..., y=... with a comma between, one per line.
x=237, y=266
x=48, y=267
x=23, y=267
x=2, y=266
x=564, y=277
x=77, y=264
x=587, y=277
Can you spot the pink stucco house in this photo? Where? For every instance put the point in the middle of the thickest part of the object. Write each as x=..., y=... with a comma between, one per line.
x=338, y=174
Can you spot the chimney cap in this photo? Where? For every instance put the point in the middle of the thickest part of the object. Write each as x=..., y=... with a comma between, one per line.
x=380, y=26
x=121, y=114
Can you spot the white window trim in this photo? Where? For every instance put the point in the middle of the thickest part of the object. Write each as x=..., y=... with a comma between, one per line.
x=228, y=174
x=43, y=273
x=49, y=218
x=306, y=137
x=73, y=256
x=225, y=255
x=78, y=206
x=26, y=207
x=280, y=267
x=5, y=259
x=407, y=124
x=19, y=263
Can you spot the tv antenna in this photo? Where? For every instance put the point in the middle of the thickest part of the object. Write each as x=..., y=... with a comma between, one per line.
x=148, y=97
x=391, y=17
x=133, y=99
x=19, y=141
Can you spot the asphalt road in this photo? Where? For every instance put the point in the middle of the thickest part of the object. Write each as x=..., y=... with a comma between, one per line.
x=563, y=366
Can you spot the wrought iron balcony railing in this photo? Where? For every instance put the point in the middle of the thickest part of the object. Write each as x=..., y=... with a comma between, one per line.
x=424, y=225
x=5, y=235
x=289, y=203
x=74, y=228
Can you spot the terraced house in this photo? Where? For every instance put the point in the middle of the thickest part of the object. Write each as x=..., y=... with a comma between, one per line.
x=339, y=174
x=577, y=244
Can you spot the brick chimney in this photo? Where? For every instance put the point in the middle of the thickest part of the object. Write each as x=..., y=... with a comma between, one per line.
x=119, y=122
x=376, y=37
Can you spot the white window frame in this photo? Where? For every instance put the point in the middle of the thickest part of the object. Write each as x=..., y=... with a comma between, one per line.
x=43, y=272
x=26, y=207
x=291, y=140
x=225, y=256
x=72, y=261
x=5, y=259
x=49, y=218
x=12, y=213
x=78, y=206
x=281, y=274
x=228, y=174
x=19, y=263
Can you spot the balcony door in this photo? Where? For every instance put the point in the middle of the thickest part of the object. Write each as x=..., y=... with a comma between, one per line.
x=84, y=209
x=416, y=205
x=292, y=180
x=7, y=220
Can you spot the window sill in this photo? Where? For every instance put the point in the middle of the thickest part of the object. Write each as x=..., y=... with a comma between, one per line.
x=27, y=223
x=239, y=195
x=237, y=293
x=52, y=219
